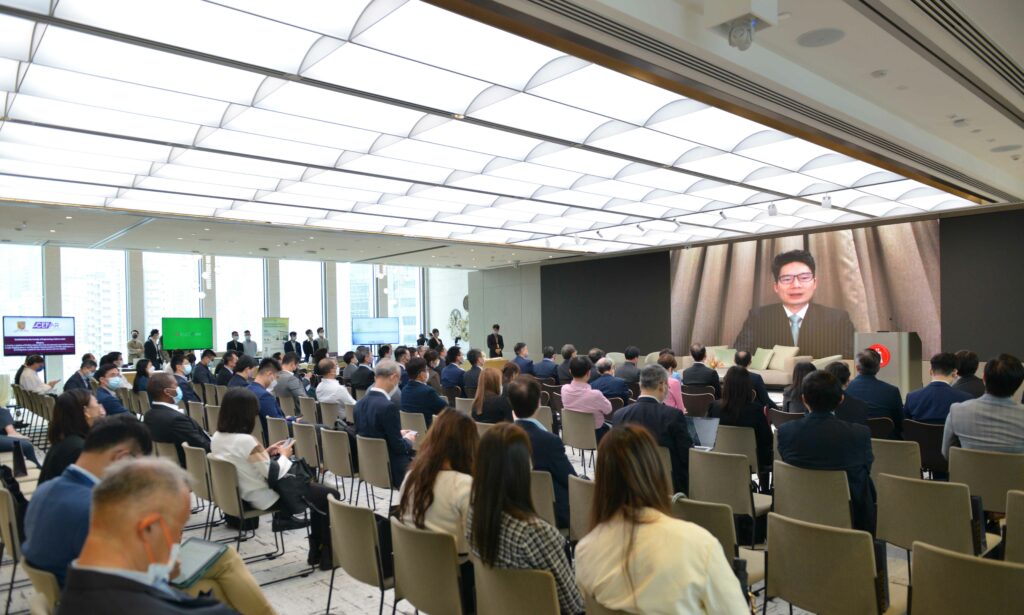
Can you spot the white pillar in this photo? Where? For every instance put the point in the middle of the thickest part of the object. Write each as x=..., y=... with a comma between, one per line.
x=52, y=304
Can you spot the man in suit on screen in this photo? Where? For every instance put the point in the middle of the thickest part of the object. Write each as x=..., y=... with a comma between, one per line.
x=819, y=331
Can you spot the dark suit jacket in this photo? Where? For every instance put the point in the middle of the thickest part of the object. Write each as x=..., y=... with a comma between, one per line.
x=752, y=415
x=525, y=365
x=612, y=386
x=167, y=425
x=453, y=376
x=151, y=353
x=562, y=373
x=824, y=331
x=201, y=374
x=931, y=403
x=236, y=346
x=111, y=404
x=546, y=368
x=493, y=343
x=420, y=397
x=77, y=381
x=471, y=378
x=187, y=392
x=882, y=398
x=224, y=376
x=629, y=372
x=496, y=409
x=308, y=348
x=668, y=426
x=377, y=417
x=296, y=347
x=790, y=404
x=549, y=456
x=60, y=456
x=700, y=375
x=362, y=378
x=90, y=592
x=822, y=441
x=237, y=380
x=970, y=384
x=761, y=391
x=853, y=410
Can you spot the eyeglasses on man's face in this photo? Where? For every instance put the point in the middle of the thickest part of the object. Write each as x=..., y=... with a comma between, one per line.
x=804, y=278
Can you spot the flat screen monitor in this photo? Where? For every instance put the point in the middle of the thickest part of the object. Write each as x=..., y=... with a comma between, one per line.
x=187, y=333
x=370, y=331
x=45, y=335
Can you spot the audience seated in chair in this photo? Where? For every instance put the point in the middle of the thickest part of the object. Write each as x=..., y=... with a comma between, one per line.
x=81, y=379
x=700, y=374
x=522, y=358
x=740, y=408
x=629, y=371
x=882, y=398
x=109, y=377
x=453, y=375
x=742, y=358
x=791, y=401
x=931, y=403
x=362, y=377
x=609, y=385
x=378, y=417
x=166, y=422
x=674, y=396
x=966, y=368
x=472, y=377
x=489, y=404
x=418, y=396
x=74, y=414
x=226, y=369
x=546, y=367
x=577, y=396
x=850, y=409
x=995, y=421
x=290, y=386
x=329, y=390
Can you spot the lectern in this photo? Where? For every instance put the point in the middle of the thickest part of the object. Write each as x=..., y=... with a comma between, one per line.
x=901, y=357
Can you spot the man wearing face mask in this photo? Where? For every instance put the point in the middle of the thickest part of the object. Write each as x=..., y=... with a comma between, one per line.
x=234, y=345
x=109, y=377
x=181, y=368
x=309, y=346
x=377, y=417
x=263, y=384
x=138, y=515
x=243, y=371
x=152, y=349
x=166, y=422
x=248, y=345
x=135, y=347
x=82, y=379
x=293, y=345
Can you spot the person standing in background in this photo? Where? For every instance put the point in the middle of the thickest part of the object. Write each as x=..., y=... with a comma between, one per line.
x=235, y=345
x=435, y=343
x=293, y=345
x=321, y=341
x=309, y=346
x=495, y=342
x=152, y=349
x=135, y=347
x=248, y=346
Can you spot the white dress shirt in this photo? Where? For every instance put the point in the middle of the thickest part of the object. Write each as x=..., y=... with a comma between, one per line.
x=30, y=381
x=330, y=390
x=253, y=469
x=450, y=508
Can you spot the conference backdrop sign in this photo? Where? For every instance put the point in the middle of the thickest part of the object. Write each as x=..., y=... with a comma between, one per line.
x=275, y=334
x=823, y=288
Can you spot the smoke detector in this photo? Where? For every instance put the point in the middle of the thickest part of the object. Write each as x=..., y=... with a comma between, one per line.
x=739, y=20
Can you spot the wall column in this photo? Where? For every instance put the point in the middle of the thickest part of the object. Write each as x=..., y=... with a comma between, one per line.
x=273, y=289
x=330, y=272
x=52, y=304
x=134, y=285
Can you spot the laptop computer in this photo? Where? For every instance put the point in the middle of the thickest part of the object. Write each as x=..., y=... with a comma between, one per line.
x=703, y=432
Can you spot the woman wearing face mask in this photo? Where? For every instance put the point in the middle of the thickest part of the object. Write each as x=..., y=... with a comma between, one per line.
x=143, y=370
x=433, y=360
x=73, y=416
x=181, y=369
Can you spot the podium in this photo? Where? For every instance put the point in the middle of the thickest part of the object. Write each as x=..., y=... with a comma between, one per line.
x=901, y=357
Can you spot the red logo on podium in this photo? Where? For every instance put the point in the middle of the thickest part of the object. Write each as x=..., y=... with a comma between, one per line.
x=882, y=352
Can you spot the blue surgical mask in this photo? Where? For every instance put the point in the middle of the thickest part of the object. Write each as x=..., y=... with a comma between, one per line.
x=114, y=383
x=188, y=369
x=177, y=394
x=40, y=368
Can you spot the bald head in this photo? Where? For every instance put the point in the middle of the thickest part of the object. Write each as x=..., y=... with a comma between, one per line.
x=133, y=489
x=162, y=387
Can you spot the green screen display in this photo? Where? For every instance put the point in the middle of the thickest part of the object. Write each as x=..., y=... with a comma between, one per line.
x=187, y=333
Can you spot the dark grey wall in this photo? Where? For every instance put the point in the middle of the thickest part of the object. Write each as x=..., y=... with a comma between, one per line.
x=609, y=303
x=983, y=283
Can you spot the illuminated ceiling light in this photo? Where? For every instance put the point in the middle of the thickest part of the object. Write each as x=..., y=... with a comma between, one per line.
x=773, y=209
x=826, y=202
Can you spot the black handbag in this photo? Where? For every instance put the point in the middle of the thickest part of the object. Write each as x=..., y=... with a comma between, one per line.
x=292, y=486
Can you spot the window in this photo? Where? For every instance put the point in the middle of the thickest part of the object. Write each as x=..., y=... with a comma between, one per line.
x=355, y=299
x=170, y=288
x=93, y=290
x=447, y=289
x=21, y=289
x=241, y=298
x=404, y=301
x=302, y=295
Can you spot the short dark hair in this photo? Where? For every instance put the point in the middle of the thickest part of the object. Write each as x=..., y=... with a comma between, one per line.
x=32, y=359
x=966, y=362
x=383, y=351
x=840, y=370
x=453, y=354
x=308, y=331
x=1003, y=375
x=289, y=357
x=524, y=396
x=400, y=352
x=415, y=367
x=548, y=352
x=227, y=356
x=346, y=358
x=291, y=333
x=793, y=256
x=153, y=332
x=177, y=360
x=821, y=391
x=208, y=353
x=269, y=365
x=431, y=355
x=105, y=369
x=698, y=352
x=868, y=362
x=495, y=326
x=944, y=363
x=238, y=411
x=519, y=346
x=88, y=363
x=247, y=332
x=361, y=356
x=631, y=352
x=234, y=333
x=108, y=432
x=742, y=358
x=159, y=382
x=595, y=354
x=579, y=366
x=567, y=351
x=319, y=329
x=245, y=362
x=472, y=356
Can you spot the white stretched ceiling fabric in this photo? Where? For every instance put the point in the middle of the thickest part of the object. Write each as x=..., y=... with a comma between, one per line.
x=397, y=117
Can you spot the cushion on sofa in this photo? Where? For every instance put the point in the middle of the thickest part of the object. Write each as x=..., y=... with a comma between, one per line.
x=726, y=355
x=822, y=363
x=779, y=356
x=761, y=358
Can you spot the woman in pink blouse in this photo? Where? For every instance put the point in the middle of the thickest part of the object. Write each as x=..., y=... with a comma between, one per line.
x=674, y=397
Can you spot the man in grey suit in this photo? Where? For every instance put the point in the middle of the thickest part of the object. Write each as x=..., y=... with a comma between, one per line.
x=290, y=386
x=995, y=421
x=629, y=371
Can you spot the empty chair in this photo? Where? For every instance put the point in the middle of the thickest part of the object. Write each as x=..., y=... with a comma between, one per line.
x=221, y=390
x=542, y=492
x=337, y=459
x=357, y=549
x=779, y=418
x=581, y=497
x=815, y=496
x=896, y=457
x=277, y=429
x=210, y=394
x=1014, y=547
x=307, y=405
x=578, y=432
x=505, y=591
x=426, y=568
x=305, y=443
x=45, y=585
x=718, y=519
x=374, y=467
x=330, y=412
x=881, y=427
x=212, y=416
x=738, y=441
x=198, y=469
x=988, y=475
x=464, y=405
x=929, y=439
x=197, y=413
x=825, y=569
x=950, y=582
x=725, y=479
x=697, y=404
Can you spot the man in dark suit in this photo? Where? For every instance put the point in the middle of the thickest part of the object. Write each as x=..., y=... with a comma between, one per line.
x=377, y=417
x=293, y=345
x=309, y=345
x=629, y=371
x=243, y=371
x=546, y=368
x=743, y=359
x=851, y=409
x=166, y=422
x=882, y=398
x=495, y=342
x=547, y=449
x=201, y=373
x=930, y=404
x=822, y=441
x=666, y=424
x=472, y=377
x=226, y=369
x=967, y=381
x=522, y=358
x=562, y=373
x=236, y=346
x=817, y=330
x=611, y=386
x=152, y=349
x=109, y=377
x=181, y=368
x=699, y=374
x=418, y=396
x=362, y=378
x=82, y=379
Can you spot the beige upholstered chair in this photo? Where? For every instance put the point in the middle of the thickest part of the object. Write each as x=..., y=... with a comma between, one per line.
x=988, y=475
x=337, y=456
x=374, y=468
x=738, y=441
x=542, y=492
x=578, y=432
x=277, y=429
x=718, y=519
x=426, y=569
x=1014, y=548
x=950, y=582
x=815, y=496
x=895, y=457
x=725, y=479
x=581, y=499
x=356, y=548
x=506, y=591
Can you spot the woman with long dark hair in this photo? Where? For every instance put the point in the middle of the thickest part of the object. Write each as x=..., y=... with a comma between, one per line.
x=489, y=405
x=73, y=415
x=791, y=401
x=739, y=408
x=639, y=559
x=143, y=368
x=504, y=529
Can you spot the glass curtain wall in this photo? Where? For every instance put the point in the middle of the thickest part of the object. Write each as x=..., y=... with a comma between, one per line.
x=170, y=288
x=241, y=298
x=21, y=289
x=355, y=299
x=302, y=295
x=94, y=291
x=405, y=301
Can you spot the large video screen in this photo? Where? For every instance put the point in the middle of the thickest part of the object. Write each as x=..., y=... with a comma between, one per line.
x=375, y=331
x=187, y=333
x=812, y=291
x=45, y=335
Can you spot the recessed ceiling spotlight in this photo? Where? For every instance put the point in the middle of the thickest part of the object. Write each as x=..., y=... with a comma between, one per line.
x=458, y=116
x=820, y=37
x=67, y=217
x=206, y=229
x=53, y=231
x=826, y=202
x=600, y=234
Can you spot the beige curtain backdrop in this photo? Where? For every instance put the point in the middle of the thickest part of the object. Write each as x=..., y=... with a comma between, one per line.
x=886, y=277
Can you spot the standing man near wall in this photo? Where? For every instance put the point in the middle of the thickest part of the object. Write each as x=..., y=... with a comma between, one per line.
x=495, y=342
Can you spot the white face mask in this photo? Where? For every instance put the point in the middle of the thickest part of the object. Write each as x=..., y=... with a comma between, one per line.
x=161, y=573
x=270, y=389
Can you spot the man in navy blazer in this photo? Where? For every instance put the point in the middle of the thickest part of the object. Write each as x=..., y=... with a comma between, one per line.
x=931, y=403
x=81, y=378
x=418, y=396
x=882, y=398
x=850, y=409
x=471, y=378
x=522, y=358
x=823, y=441
x=377, y=417
x=611, y=386
x=548, y=449
x=109, y=377
x=547, y=368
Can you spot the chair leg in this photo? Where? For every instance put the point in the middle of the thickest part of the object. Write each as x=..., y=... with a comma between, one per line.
x=10, y=587
x=330, y=591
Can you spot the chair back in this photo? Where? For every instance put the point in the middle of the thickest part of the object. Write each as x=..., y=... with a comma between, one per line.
x=307, y=405
x=697, y=404
x=360, y=393
x=722, y=478
x=801, y=562
x=330, y=412
x=416, y=422
x=988, y=475
x=911, y=509
x=197, y=413
x=556, y=402
x=596, y=608
x=738, y=441
x=665, y=456
x=452, y=393
x=141, y=401
x=651, y=357
x=213, y=416
x=695, y=389
x=464, y=404
x=355, y=544
x=634, y=389
x=277, y=429
x=544, y=416
x=44, y=583
x=8, y=525
x=199, y=470
x=210, y=394
x=950, y=582
x=581, y=498
x=305, y=443
x=350, y=414
x=617, y=403
x=337, y=453
x=815, y=496
x=374, y=463
x=426, y=568
x=578, y=430
x=895, y=457
x=1014, y=543
x=881, y=427
x=618, y=358
x=779, y=418
x=166, y=450
x=715, y=518
x=507, y=591
x=221, y=390
x=224, y=484
x=929, y=438
x=481, y=428
x=542, y=492
x=197, y=389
